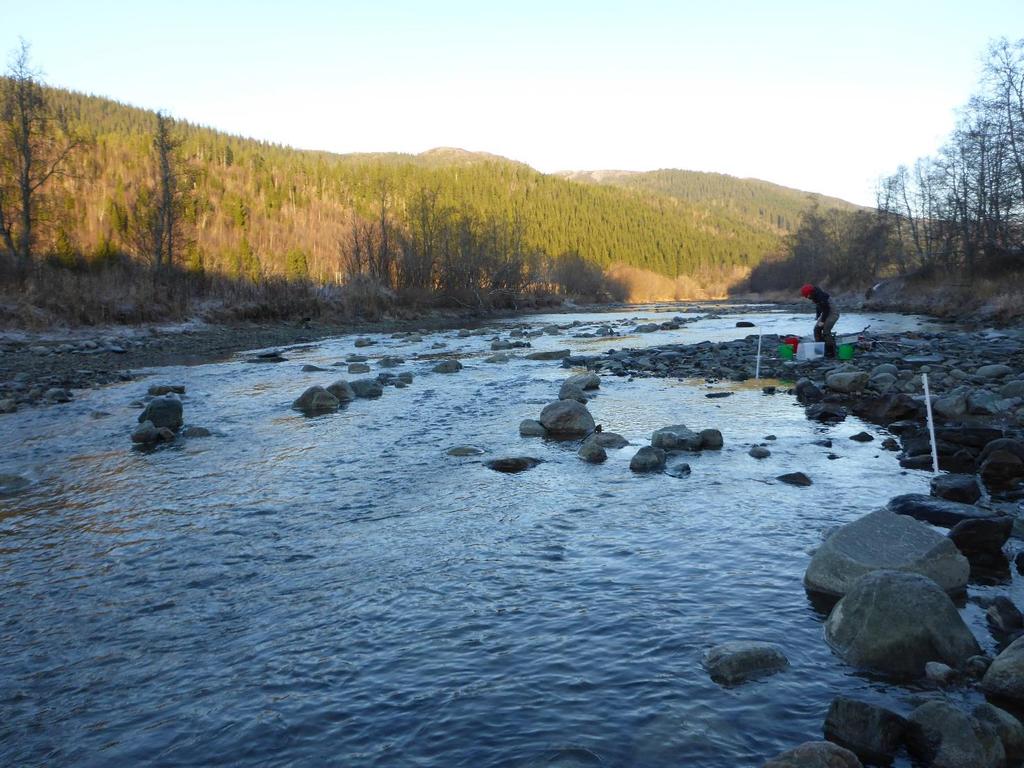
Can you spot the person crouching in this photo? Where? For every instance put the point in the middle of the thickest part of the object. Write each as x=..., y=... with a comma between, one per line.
x=825, y=317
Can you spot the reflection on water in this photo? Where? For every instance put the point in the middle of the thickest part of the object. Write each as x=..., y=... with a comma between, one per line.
x=339, y=590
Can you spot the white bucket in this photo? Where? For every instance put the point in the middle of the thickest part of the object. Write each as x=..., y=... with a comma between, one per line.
x=810, y=350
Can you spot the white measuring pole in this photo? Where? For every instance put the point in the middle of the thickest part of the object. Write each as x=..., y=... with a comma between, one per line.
x=757, y=367
x=931, y=423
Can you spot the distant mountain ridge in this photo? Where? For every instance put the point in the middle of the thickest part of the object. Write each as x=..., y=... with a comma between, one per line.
x=762, y=202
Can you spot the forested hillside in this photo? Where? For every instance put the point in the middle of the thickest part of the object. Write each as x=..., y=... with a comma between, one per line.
x=752, y=202
x=250, y=204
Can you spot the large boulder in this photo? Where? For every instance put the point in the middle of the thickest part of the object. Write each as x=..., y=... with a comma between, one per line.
x=1005, y=676
x=941, y=512
x=815, y=754
x=676, y=438
x=1002, y=464
x=896, y=622
x=873, y=733
x=567, y=418
x=980, y=538
x=316, y=400
x=1009, y=728
x=164, y=412
x=847, y=382
x=882, y=540
x=739, y=661
x=942, y=736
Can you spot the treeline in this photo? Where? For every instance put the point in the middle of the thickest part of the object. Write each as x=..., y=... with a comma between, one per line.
x=957, y=215
x=120, y=188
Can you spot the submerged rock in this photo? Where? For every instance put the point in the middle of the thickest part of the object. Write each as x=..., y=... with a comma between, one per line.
x=739, y=661
x=608, y=440
x=883, y=540
x=895, y=622
x=759, y=452
x=465, y=450
x=512, y=464
x=795, y=478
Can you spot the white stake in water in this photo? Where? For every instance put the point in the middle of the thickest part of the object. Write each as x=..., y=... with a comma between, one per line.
x=931, y=423
x=757, y=367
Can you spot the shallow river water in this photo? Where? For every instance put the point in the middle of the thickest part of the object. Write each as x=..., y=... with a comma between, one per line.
x=339, y=591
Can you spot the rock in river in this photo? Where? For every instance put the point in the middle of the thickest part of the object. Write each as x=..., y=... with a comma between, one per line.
x=163, y=412
x=873, y=733
x=1005, y=677
x=928, y=509
x=342, y=390
x=895, y=622
x=739, y=661
x=557, y=354
x=512, y=464
x=592, y=451
x=531, y=428
x=567, y=418
x=815, y=754
x=962, y=488
x=941, y=735
x=448, y=366
x=883, y=540
x=676, y=438
x=367, y=388
x=316, y=400
x=795, y=478
x=648, y=459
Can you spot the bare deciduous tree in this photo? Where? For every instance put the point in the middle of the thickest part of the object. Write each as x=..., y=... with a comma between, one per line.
x=35, y=144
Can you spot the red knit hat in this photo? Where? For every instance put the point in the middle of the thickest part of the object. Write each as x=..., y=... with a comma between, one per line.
x=806, y=290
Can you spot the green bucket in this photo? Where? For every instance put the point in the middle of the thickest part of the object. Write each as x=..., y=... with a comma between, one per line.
x=844, y=351
x=785, y=351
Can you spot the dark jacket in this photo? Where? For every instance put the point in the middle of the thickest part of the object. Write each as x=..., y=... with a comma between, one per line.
x=821, y=303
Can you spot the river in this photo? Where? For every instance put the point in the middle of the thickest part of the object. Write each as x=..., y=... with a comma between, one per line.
x=338, y=590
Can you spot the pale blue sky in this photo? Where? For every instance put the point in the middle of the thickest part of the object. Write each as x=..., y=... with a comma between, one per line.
x=819, y=95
